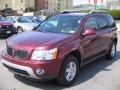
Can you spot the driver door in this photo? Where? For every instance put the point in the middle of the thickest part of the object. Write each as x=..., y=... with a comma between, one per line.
x=91, y=43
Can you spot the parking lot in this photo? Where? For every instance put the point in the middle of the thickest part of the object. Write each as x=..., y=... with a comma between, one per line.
x=99, y=75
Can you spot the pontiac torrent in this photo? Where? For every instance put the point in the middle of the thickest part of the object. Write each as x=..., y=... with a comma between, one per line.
x=59, y=46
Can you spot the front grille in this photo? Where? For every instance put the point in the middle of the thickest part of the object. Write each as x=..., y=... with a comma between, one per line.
x=9, y=51
x=15, y=70
x=7, y=26
x=20, y=54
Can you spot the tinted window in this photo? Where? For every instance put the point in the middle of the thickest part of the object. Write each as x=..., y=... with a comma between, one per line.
x=102, y=22
x=2, y=18
x=23, y=19
x=110, y=20
x=60, y=24
x=91, y=23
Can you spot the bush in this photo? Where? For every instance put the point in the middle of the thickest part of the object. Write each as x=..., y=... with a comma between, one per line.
x=115, y=14
x=30, y=9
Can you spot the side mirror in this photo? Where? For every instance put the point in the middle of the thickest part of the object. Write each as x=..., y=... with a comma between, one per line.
x=89, y=31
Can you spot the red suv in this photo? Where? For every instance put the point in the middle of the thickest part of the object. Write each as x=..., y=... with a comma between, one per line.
x=61, y=45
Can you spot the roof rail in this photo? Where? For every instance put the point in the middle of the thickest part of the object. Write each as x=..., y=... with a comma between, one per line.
x=69, y=11
x=97, y=11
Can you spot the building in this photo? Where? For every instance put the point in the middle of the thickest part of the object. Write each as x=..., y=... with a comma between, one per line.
x=113, y=4
x=18, y=5
x=84, y=7
x=53, y=5
x=29, y=3
x=66, y=4
x=39, y=5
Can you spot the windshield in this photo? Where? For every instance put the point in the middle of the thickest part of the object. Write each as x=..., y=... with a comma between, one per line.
x=2, y=18
x=60, y=24
x=34, y=19
x=22, y=19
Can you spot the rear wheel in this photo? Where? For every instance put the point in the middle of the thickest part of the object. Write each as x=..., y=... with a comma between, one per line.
x=69, y=70
x=112, y=51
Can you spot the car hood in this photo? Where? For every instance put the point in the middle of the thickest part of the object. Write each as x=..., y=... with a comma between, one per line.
x=35, y=39
x=5, y=23
x=30, y=25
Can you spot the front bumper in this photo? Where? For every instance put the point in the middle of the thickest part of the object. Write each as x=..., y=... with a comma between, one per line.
x=22, y=70
x=8, y=32
x=29, y=68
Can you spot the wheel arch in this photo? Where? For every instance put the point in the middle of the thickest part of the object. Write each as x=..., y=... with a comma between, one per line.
x=18, y=27
x=75, y=53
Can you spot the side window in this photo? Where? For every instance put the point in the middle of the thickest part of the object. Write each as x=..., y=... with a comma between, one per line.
x=91, y=23
x=110, y=20
x=102, y=22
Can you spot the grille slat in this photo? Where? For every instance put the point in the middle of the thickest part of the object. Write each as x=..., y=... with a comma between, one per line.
x=7, y=26
x=19, y=54
x=9, y=51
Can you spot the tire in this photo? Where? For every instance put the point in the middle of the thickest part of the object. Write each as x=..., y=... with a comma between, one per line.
x=112, y=51
x=68, y=73
x=19, y=30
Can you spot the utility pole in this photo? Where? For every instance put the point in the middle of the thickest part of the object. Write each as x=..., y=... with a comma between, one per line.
x=95, y=3
x=58, y=5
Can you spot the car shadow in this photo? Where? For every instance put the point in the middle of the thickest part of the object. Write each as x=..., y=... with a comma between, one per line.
x=4, y=37
x=86, y=73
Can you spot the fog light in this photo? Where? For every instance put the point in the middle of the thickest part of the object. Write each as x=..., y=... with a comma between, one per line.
x=40, y=72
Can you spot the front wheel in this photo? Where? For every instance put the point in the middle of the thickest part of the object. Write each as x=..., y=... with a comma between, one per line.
x=69, y=70
x=112, y=51
x=19, y=30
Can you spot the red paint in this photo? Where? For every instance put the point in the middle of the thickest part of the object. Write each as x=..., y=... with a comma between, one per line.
x=66, y=43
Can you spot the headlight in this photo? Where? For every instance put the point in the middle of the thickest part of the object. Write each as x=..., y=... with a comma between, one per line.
x=44, y=54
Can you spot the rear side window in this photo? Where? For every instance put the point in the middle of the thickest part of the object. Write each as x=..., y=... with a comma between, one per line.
x=110, y=20
x=102, y=22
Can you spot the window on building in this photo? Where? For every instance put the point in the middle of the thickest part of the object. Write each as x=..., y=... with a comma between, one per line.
x=6, y=5
x=22, y=1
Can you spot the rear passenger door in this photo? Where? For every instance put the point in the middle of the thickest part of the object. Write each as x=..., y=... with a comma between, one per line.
x=104, y=31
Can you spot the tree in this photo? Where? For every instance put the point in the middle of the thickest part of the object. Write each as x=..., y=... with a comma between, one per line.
x=7, y=11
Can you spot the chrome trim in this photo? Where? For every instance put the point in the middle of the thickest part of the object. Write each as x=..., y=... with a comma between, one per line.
x=25, y=68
